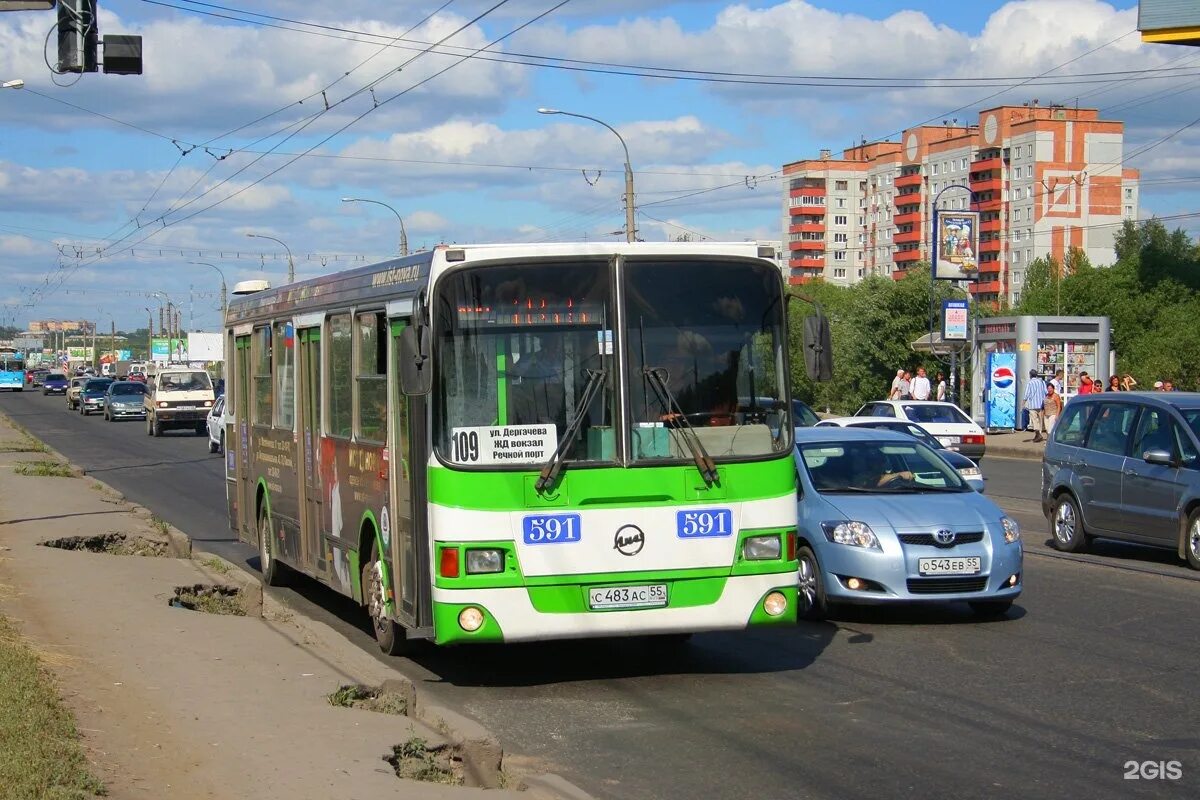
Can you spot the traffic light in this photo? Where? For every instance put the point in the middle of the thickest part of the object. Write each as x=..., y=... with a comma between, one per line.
x=78, y=36
x=122, y=54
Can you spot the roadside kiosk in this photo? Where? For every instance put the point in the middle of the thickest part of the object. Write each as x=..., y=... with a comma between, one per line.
x=1007, y=348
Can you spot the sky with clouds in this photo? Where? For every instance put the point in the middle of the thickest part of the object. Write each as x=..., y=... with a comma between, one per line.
x=259, y=117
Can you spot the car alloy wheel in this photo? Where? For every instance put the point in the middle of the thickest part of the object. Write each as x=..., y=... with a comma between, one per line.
x=1193, y=540
x=1066, y=525
x=810, y=594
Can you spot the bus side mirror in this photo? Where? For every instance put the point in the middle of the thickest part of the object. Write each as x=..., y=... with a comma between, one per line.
x=818, y=350
x=416, y=368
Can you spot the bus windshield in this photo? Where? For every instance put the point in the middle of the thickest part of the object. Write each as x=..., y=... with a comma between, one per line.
x=522, y=349
x=518, y=346
x=712, y=335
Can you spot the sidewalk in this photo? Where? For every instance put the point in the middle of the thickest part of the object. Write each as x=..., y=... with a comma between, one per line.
x=180, y=704
x=1015, y=444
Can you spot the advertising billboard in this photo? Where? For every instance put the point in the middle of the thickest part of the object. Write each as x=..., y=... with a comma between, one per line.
x=162, y=349
x=205, y=347
x=79, y=353
x=956, y=246
x=1001, y=409
x=954, y=320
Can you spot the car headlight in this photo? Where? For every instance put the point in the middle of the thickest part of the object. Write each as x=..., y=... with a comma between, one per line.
x=761, y=548
x=971, y=472
x=485, y=561
x=852, y=533
x=1012, y=531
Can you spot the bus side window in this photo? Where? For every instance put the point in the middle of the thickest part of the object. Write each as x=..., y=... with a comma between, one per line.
x=370, y=377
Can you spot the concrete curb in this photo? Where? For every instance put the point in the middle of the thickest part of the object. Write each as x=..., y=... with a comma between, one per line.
x=1013, y=452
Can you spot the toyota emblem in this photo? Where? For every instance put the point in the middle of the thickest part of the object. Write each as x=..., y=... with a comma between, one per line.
x=943, y=536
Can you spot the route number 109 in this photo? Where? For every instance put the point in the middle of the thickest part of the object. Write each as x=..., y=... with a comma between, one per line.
x=551, y=529
x=466, y=446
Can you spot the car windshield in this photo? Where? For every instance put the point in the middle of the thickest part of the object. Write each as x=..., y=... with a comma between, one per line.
x=937, y=413
x=128, y=388
x=196, y=381
x=804, y=416
x=56, y=376
x=878, y=467
x=915, y=431
x=100, y=386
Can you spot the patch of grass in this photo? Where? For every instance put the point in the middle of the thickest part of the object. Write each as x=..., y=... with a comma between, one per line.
x=26, y=446
x=114, y=543
x=161, y=524
x=369, y=699
x=414, y=760
x=210, y=599
x=43, y=469
x=40, y=753
x=216, y=565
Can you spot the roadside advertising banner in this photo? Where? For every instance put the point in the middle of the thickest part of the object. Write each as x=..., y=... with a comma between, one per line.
x=954, y=320
x=79, y=353
x=956, y=246
x=1001, y=408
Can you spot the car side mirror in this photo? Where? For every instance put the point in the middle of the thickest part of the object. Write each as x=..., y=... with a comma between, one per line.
x=416, y=367
x=1158, y=456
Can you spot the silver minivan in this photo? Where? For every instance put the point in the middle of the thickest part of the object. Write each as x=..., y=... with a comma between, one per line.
x=1125, y=465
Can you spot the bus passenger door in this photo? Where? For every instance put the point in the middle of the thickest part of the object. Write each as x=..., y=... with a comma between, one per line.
x=243, y=388
x=230, y=450
x=311, y=547
x=409, y=530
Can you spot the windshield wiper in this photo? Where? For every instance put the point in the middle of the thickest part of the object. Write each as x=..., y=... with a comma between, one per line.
x=554, y=466
x=708, y=470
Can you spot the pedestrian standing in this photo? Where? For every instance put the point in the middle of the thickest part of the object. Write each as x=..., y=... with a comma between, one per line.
x=941, y=388
x=1158, y=386
x=894, y=392
x=1035, y=402
x=1085, y=383
x=906, y=386
x=920, y=385
x=1051, y=408
x=1168, y=386
x=1128, y=382
x=1114, y=384
x=1057, y=382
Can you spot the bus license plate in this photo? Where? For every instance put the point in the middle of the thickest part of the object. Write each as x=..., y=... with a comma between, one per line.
x=948, y=566
x=652, y=596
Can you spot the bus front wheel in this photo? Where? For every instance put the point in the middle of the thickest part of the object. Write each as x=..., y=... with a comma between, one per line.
x=272, y=569
x=388, y=633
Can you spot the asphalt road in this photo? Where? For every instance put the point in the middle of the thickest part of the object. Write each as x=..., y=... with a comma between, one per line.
x=1095, y=668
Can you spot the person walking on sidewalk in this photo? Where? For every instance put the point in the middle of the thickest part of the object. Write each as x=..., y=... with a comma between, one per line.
x=1051, y=408
x=941, y=388
x=1035, y=403
x=920, y=385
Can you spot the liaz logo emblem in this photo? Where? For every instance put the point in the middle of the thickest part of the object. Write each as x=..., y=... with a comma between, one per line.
x=629, y=540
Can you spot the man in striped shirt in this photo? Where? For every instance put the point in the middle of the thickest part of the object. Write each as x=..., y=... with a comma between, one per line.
x=1035, y=403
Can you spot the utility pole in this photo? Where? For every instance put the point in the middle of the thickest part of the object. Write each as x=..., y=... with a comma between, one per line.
x=150, y=334
x=95, y=363
x=112, y=340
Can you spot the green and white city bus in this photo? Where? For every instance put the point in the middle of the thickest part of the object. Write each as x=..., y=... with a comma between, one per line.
x=518, y=442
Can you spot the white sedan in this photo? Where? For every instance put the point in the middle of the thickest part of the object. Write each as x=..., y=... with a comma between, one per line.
x=946, y=421
x=216, y=426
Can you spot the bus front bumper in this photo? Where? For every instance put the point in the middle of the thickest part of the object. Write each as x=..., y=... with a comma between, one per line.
x=509, y=614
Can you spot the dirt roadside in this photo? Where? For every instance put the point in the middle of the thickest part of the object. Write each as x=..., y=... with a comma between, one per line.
x=173, y=703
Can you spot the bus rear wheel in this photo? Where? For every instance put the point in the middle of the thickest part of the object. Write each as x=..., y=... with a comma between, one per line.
x=388, y=633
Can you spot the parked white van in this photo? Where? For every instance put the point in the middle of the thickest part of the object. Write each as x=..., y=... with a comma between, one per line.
x=178, y=397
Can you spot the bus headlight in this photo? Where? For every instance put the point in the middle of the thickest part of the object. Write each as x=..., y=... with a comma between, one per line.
x=775, y=604
x=485, y=561
x=761, y=548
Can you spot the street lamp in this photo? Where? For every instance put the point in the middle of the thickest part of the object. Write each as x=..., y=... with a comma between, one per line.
x=629, y=224
x=291, y=263
x=224, y=303
x=403, y=233
x=17, y=84
x=149, y=335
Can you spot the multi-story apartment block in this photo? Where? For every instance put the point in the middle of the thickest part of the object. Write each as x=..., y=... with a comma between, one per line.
x=1044, y=180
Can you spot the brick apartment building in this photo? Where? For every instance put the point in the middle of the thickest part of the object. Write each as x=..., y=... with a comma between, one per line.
x=1044, y=179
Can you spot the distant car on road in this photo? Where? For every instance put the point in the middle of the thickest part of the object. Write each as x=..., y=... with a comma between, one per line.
x=92, y=397
x=55, y=383
x=73, y=390
x=1125, y=465
x=884, y=519
x=954, y=429
x=124, y=400
x=38, y=376
x=216, y=426
x=967, y=469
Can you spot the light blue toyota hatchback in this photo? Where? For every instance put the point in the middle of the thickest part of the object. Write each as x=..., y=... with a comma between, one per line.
x=883, y=519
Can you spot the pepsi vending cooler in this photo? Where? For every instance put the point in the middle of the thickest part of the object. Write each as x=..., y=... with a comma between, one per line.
x=1006, y=348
